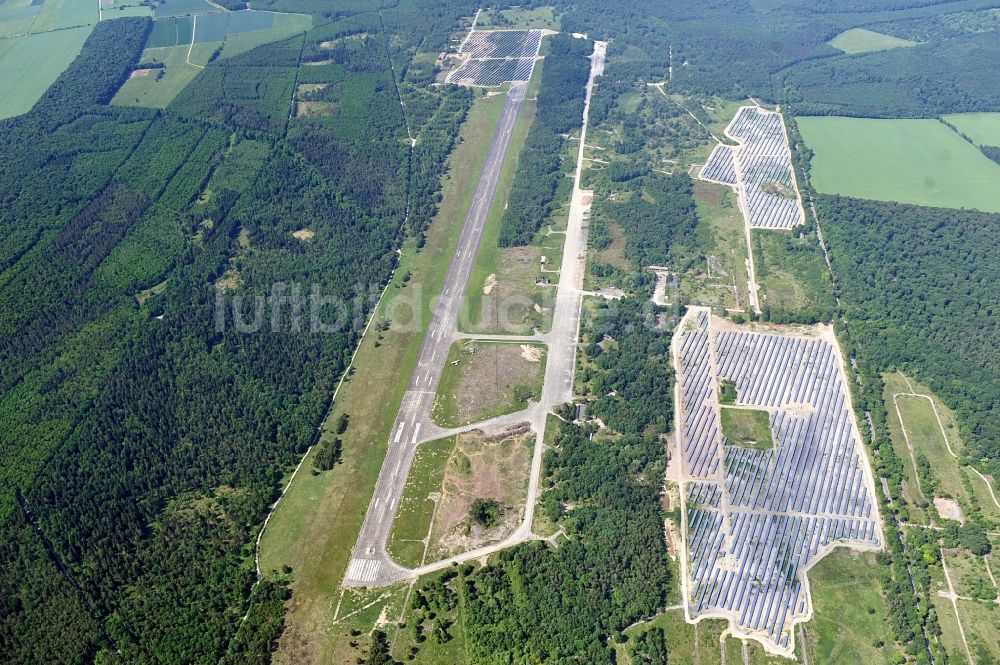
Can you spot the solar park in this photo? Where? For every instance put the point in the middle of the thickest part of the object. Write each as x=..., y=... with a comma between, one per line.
x=756, y=519
x=493, y=57
x=759, y=168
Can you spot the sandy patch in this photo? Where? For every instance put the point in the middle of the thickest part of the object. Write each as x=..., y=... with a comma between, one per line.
x=491, y=283
x=480, y=468
x=531, y=353
x=949, y=509
x=305, y=235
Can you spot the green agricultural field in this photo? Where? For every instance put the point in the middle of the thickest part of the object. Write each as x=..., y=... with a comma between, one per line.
x=184, y=8
x=909, y=161
x=750, y=428
x=416, y=509
x=860, y=40
x=850, y=618
x=170, y=43
x=33, y=63
x=241, y=38
x=983, y=128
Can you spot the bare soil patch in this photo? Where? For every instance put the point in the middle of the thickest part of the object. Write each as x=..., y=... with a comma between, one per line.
x=304, y=235
x=949, y=509
x=480, y=468
x=139, y=73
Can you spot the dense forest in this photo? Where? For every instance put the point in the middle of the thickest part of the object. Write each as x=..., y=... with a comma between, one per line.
x=917, y=285
x=145, y=433
x=778, y=51
x=540, y=168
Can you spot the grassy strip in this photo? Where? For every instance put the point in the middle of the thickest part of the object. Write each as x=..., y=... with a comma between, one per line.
x=416, y=509
x=488, y=256
x=314, y=528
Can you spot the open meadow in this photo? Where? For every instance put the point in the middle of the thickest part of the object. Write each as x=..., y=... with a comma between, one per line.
x=908, y=161
x=918, y=439
x=861, y=40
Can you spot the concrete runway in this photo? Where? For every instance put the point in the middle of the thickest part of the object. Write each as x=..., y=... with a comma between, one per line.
x=371, y=565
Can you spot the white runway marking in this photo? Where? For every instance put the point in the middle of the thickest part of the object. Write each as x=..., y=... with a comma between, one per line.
x=363, y=570
x=416, y=432
x=399, y=432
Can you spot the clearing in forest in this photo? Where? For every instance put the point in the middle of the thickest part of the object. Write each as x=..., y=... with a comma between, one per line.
x=494, y=57
x=909, y=161
x=926, y=438
x=860, y=40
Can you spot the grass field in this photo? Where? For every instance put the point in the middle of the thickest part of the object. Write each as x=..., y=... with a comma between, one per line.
x=969, y=575
x=170, y=43
x=519, y=19
x=791, y=272
x=860, y=40
x=314, y=528
x=750, y=428
x=850, y=612
x=983, y=128
x=153, y=90
x=283, y=26
x=483, y=380
x=982, y=630
x=722, y=241
x=33, y=63
x=953, y=479
x=416, y=509
x=909, y=161
x=183, y=8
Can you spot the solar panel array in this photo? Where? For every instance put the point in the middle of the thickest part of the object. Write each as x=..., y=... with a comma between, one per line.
x=757, y=519
x=719, y=167
x=493, y=72
x=761, y=167
x=497, y=56
x=502, y=43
